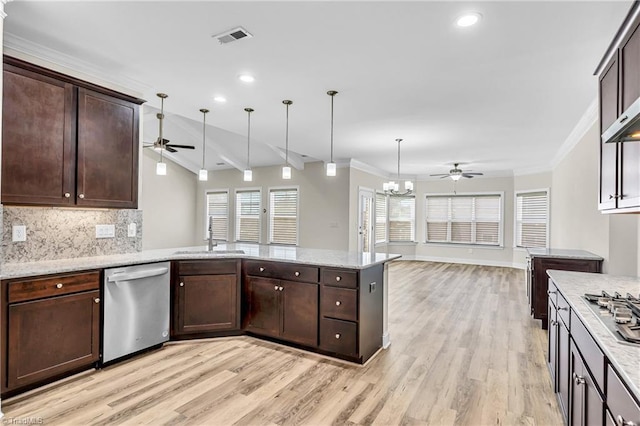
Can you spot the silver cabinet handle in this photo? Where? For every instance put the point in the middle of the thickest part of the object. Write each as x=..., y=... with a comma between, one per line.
x=280, y=288
x=563, y=308
x=297, y=274
x=59, y=285
x=623, y=119
x=338, y=335
x=578, y=379
x=620, y=421
x=338, y=278
x=261, y=269
x=549, y=292
x=553, y=323
x=81, y=196
x=338, y=303
x=612, y=196
x=181, y=284
x=67, y=195
x=97, y=300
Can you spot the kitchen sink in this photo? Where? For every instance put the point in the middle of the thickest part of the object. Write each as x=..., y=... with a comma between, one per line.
x=212, y=252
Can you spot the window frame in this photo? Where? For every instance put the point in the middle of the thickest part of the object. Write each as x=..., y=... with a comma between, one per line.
x=515, y=215
x=501, y=224
x=269, y=216
x=235, y=213
x=389, y=240
x=206, y=210
x=386, y=218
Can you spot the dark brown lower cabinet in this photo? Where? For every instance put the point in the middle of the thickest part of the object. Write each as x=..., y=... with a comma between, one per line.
x=552, y=348
x=283, y=309
x=563, y=367
x=51, y=328
x=624, y=409
x=587, y=407
x=206, y=297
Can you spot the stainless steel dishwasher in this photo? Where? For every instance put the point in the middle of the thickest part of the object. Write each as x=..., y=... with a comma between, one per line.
x=136, y=309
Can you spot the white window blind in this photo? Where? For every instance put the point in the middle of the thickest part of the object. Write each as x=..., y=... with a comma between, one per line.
x=381, y=218
x=218, y=208
x=283, y=216
x=474, y=219
x=248, y=216
x=532, y=222
x=402, y=213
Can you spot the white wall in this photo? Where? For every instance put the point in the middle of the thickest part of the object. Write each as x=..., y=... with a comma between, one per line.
x=323, y=203
x=168, y=204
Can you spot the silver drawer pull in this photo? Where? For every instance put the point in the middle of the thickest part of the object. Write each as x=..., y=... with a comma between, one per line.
x=338, y=278
x=620, y=421
x=261, y=269
x=338, y=303
x=563, y=308
x=59, y=285
x=549, y=292
x=578, y=379
x=338, y=335
x=553, y=323
x=297, y=274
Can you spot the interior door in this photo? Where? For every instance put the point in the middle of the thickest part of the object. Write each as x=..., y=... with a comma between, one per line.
x=366, y=239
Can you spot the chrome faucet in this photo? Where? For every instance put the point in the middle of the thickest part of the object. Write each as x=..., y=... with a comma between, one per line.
x=212, y=243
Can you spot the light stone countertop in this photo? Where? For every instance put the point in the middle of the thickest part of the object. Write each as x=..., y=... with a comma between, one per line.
x=320, y=257
x=625, y=358
x=563, y=253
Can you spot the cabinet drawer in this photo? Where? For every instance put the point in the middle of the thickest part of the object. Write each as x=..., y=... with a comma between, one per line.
x=552, y=292
x=340, y=278
x=338, y=336
x=284, y=271
x=207, y=267
x=563, y=310
x=620, y=401
x=593, y=357
x=32, y=289
x=341, y=303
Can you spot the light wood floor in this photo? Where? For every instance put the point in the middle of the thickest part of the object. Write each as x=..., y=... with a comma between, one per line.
x=464, y=351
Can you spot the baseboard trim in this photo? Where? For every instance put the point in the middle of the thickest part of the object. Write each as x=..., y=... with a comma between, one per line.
x=386, y=340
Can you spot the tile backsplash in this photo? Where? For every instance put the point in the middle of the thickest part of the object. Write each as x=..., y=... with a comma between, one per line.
x=59, y=233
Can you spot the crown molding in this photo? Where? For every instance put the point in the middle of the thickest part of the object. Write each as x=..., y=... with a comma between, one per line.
x=3, y=14
x=33, y=52
x=583, y=125
x=367, y=168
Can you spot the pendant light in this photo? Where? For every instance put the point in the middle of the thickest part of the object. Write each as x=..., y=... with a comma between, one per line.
x=248, y=174
x=393, y=188
x=203, y=174
x=331, y=166
x=161, y=167
x=286, y=170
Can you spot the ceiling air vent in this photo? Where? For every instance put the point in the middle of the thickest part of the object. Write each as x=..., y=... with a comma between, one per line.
x=232, y=35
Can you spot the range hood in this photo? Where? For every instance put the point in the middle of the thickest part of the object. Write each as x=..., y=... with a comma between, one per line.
x=626, y=128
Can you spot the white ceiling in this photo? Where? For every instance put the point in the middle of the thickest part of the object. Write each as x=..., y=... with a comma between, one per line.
x=500, y=97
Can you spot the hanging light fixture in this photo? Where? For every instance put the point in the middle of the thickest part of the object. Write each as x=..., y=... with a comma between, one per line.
x=248, y=174
x=392, y=187
x=331, y=166
x=161, y=167
x=286, y=170
x=203, y=174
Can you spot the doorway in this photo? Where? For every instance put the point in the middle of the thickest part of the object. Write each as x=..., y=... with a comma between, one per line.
x=366, y=240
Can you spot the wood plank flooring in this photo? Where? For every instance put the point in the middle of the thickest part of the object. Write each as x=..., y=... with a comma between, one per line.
x=464, y=352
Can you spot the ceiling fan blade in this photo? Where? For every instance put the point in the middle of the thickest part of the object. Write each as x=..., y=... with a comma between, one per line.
x=441, y=174
x=475, y=174
x=168, y=148
x=445, y=176
x=467, y=175
x=181, y=146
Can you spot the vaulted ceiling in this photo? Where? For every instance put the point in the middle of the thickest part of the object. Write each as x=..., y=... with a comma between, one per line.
x=499, y=97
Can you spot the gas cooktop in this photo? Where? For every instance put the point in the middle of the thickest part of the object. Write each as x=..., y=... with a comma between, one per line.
x=620, y=314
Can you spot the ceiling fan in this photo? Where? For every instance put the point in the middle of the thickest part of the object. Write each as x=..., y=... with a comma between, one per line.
x=457, y=173
x=162, y=143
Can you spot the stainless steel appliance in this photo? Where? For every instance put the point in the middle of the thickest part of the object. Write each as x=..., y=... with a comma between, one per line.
x=620, y=314
x=136, y=309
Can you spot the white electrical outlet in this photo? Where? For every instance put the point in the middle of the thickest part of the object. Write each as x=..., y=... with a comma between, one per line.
x=105, y=231
x=131, y=230
x=19, y=233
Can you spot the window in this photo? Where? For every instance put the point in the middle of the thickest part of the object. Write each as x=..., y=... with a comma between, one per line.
x=464, y=219
x=402, y=212
x=381, y=218
x=283, y=216
x=218, y=208
x=532, y=219
x=248, y=216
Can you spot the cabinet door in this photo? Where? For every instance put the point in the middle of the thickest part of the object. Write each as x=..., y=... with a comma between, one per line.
x=629, y=66
x=263, y=306
x=563, y=367
x=629, y=174
x=107, y=165
x=552, y=352
x=300, y=312
x=51, y=336
x=587, y=408
x=38, y=139
x=207, y=303
x=608, y=151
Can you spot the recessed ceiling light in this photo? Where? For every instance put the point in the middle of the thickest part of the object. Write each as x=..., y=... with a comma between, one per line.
x=468, y=19
x=247, y=78
x=220, y=99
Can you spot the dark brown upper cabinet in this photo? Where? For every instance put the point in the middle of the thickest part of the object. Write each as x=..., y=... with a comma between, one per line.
x=66, y=142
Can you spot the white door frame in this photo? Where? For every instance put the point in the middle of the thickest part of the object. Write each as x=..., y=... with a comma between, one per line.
x=366, y=193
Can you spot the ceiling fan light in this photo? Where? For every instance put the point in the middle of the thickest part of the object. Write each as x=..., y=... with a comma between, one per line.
x=248, y=175
x=456, y=177
x=331, y=169
x=286, y=172
x=203, y=175
x=161, y=169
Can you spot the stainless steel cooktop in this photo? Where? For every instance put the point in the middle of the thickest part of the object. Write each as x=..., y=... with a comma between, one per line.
x=620, y=314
